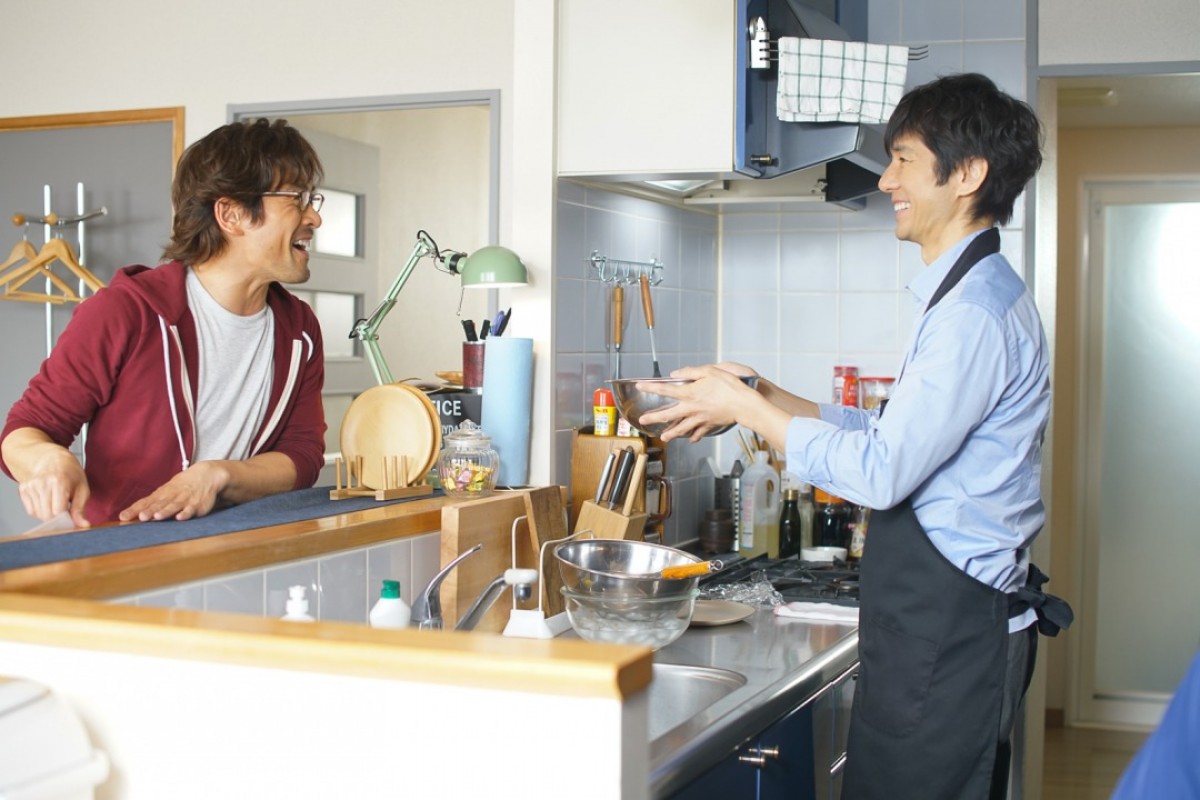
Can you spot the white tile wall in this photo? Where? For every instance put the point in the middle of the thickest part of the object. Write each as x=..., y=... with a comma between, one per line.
x=341, y=586
x=685, y=319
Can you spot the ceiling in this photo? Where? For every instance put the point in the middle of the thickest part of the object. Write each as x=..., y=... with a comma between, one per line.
x=1140, y=101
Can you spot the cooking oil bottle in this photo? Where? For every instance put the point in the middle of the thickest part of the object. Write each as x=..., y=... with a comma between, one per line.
x=759, y=523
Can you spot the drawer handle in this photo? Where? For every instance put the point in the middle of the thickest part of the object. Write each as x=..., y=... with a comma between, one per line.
x=760, y=755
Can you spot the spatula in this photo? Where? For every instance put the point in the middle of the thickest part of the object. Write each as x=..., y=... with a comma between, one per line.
x=648, y=313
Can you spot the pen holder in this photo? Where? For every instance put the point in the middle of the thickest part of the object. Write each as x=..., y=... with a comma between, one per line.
x=608, y=523
x=472, y=365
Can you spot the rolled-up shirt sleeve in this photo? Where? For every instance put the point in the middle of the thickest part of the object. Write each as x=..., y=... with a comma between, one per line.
x=949, y=383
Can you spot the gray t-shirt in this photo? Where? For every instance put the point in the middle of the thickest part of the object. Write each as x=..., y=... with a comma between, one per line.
x=236, y=361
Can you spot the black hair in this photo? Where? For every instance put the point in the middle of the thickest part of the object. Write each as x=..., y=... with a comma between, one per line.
x=960, y=117
x=240, y=160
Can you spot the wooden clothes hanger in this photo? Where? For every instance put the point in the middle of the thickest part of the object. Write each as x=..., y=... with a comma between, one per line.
x=54, y=250
x=22, y=251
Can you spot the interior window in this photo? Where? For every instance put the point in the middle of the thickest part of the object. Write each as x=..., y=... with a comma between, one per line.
x=339, y=231
x=337, y=313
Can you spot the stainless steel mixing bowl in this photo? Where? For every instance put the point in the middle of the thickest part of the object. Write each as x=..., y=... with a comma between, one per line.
x=632, y=404
x=620, y=568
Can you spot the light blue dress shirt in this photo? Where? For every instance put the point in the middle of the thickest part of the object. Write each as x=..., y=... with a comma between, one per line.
x=962, y=436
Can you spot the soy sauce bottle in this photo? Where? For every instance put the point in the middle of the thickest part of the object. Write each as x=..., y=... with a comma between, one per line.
x=832, y=520
x=791, y=526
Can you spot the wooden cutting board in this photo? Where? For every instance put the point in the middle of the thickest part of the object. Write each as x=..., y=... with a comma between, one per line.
x=487, y=522
x=547, y=523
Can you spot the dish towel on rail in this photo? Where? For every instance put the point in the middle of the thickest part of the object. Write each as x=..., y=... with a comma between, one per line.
x=823, y=80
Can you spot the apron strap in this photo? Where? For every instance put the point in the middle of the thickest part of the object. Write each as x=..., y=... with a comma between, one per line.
x=1054, y=614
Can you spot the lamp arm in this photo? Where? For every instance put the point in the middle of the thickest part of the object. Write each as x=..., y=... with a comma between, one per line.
x=367, y=330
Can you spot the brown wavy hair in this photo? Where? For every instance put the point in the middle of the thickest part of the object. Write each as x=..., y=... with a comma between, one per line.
x=240, y=161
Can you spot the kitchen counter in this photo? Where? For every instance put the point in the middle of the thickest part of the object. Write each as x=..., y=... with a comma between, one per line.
x=786, y=662
x=299, y=709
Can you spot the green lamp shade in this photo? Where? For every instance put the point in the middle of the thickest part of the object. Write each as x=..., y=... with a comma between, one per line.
x=493, y=267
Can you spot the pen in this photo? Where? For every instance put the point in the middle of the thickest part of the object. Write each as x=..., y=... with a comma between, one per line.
x=503, y=323
x=469, y=329
x=483, y=329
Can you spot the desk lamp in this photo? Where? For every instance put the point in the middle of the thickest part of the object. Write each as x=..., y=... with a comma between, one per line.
x=490, y=267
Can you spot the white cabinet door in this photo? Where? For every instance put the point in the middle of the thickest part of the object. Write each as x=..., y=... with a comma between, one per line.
x=646, y=88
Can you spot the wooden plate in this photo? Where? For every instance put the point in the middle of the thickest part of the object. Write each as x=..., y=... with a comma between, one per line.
x=391, y=420
x=719, y=612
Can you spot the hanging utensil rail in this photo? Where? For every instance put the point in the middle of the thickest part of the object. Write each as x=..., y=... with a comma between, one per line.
x=612, y=270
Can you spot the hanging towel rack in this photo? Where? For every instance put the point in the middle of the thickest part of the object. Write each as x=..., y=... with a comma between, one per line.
x=764, y=50
x=613, y=270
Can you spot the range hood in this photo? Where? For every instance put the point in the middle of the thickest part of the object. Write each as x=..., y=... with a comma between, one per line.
x=852, y=154
x=786, y=162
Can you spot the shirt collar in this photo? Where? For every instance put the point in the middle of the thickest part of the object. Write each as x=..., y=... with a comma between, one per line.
x=929, y=279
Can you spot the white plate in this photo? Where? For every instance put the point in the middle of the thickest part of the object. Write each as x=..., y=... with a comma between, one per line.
x=719, y=612
x=389, y=421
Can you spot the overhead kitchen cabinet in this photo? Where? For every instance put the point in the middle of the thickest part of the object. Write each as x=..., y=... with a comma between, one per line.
x=667, y=91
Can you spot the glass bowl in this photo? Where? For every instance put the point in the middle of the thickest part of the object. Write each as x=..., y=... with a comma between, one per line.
x=647, y=621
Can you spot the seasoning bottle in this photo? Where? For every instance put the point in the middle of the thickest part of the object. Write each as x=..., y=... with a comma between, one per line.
x=832, y=520
x=790, y=524
x=806, y=516
x=604, y=413
x=845, y=386
x=858, y=533
x=760, y=508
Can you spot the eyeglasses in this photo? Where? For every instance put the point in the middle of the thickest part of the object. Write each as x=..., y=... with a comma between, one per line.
x=304, y=199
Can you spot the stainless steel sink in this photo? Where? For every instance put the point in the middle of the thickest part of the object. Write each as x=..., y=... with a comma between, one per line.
x=680, y=692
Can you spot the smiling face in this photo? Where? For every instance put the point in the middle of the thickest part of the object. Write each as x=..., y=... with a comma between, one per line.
x=930, y=214
x=276, y=248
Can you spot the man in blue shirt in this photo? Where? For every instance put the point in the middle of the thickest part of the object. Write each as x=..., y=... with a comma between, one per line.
x=952, y=468
x=1168, y=765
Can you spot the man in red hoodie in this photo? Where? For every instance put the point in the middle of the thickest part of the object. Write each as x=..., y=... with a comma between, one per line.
x=200, y=379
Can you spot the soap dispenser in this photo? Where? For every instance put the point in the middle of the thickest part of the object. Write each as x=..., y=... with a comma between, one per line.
x=297, y=606
x=390, y=610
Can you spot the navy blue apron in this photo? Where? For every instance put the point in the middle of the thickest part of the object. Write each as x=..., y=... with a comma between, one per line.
x=933, y=645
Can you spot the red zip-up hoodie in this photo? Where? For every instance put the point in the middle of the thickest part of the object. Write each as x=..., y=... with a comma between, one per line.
x=128, y=362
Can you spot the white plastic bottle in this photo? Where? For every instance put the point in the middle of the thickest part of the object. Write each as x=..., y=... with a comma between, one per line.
x=390, y=610
x=297, y=606
x=759, y=523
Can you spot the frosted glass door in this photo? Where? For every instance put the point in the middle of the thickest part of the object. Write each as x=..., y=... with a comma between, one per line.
x=1142, y=443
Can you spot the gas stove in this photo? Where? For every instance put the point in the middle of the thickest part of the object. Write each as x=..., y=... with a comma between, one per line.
x=826, y=582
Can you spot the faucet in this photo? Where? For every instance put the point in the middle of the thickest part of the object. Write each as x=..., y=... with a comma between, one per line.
x=427, y=608
x=522, y=581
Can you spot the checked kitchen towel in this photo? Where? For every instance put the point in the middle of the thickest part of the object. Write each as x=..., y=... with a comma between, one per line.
x=823, y=80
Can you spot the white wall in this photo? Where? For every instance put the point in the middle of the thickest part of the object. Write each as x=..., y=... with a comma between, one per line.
x=204, y=56
x=1117, y=31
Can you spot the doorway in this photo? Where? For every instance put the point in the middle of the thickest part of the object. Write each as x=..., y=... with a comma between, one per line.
x=1139, y=375
x=408, y=163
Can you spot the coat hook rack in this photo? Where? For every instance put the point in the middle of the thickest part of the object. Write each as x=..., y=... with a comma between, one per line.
x=612, y=270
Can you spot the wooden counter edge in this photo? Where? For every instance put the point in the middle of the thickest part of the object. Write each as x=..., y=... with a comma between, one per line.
x=479, y=660
x=147, y=568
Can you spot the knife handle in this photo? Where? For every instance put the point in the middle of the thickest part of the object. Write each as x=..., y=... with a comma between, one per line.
x=647, y=306
x=618, y=314
x=603, y=485
x=624, y=467
x=639, y=475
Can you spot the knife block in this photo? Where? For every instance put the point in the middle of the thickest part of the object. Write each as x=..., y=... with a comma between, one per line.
x=588, y=454
x=608, y=523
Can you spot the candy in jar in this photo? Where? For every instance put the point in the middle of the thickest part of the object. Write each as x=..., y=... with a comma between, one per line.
x=468, y=463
